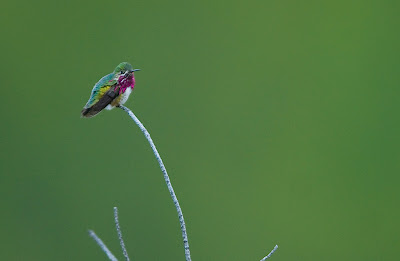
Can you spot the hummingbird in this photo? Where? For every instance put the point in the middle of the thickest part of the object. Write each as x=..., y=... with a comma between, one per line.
x=111, y=91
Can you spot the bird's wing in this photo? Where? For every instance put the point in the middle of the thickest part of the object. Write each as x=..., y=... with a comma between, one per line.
x=111, y=93
x=99, y=89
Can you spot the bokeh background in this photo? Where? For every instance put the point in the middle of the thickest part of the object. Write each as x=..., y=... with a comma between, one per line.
x=278, y=122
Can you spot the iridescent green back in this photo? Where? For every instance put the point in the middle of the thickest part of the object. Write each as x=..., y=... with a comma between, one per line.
x=106, y=81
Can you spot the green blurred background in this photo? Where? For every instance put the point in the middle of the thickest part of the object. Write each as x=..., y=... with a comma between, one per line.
x=278, y=122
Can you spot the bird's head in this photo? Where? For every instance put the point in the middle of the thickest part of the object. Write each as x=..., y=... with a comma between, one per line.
x=124, y=70
x=123, y=74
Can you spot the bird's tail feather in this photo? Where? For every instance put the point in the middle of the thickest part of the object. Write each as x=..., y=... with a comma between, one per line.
x=88, y=112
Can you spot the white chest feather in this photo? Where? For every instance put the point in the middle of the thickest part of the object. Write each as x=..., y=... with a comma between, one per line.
x=125, y=95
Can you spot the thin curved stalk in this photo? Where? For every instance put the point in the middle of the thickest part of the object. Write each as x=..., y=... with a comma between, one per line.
x=121, y=240
x=102, y=245
x=167, y=180
x=270, y=253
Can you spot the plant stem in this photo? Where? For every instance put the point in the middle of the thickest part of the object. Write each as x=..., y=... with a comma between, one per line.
x=102, y=245
x=121, y=240
x=167, y=180
x=270, y=253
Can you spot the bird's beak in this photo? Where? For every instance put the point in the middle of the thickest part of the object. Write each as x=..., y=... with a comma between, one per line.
x=134, y=70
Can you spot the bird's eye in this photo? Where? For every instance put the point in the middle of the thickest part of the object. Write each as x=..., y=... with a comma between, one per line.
x=122, y=72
